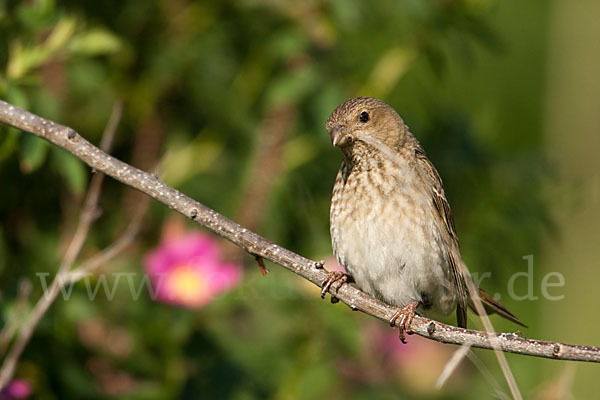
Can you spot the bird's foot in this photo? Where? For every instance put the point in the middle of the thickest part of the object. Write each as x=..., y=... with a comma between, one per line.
x=405, y=315
x=334, y=280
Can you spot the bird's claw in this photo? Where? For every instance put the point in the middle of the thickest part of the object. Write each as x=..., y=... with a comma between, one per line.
x=405, y=315
x=337, y=277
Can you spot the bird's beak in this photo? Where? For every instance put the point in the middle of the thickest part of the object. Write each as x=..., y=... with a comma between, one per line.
x=339, y=136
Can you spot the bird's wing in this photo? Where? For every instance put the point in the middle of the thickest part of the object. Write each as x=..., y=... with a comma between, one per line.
x=453, y=253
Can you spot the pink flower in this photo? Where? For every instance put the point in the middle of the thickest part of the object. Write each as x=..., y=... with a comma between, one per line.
x=17, y=389
x=187, y=270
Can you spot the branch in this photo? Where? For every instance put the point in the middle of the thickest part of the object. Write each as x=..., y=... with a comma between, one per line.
x=64, y=275
x=256, y=245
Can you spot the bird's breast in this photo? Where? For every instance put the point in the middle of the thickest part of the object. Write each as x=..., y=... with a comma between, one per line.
x=383, y=233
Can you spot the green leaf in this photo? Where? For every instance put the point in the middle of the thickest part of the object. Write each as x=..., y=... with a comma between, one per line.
x=95, y=42
x=35, y=15
x=2, y=250
x=8, y=141
x=292, y=87
x=71, y=168
x=24, y=58
x=3, y=14
x=187, y=160
x=60, y=35
x=33, y=153
x=298, y=151
x=16, y=96
x=9, y=136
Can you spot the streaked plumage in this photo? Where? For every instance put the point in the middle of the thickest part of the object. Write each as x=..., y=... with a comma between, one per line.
x=391, y=225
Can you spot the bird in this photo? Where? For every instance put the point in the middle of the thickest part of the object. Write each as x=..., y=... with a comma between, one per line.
x=391, y=225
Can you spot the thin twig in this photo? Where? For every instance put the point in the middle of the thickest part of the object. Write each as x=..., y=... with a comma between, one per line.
x=124, y=240
x=451, y=365
x=108, y=136
x=489, y=328
x=14, y=318
x=483, y=369
x=256, y=245
x=62, y=279
x=87, y=215
x=89, y=210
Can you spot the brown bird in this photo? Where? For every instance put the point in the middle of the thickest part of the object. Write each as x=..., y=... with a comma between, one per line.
x=391, y=225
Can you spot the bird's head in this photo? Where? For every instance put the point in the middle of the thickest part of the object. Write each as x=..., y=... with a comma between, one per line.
x=366, y=122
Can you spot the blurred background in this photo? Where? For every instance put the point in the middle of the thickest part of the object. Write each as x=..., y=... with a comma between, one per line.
x=230, y=99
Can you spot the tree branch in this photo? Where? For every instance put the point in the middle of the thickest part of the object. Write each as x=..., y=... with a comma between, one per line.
x=256, y=245
x=65, y=274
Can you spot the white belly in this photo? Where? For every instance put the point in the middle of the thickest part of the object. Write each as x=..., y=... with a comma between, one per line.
x=392, y=248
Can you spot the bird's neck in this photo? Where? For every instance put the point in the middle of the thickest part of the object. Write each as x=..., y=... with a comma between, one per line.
x=362, y=157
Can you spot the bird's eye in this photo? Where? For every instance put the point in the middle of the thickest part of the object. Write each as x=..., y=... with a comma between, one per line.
x=364, y=117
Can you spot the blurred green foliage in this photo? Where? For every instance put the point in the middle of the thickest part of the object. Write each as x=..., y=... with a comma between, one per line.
x=200, y=82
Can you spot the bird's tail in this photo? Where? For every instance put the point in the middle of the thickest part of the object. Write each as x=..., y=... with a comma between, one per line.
x=492, y=306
